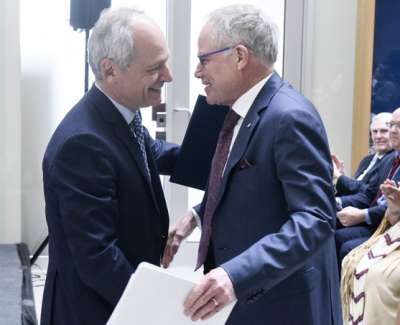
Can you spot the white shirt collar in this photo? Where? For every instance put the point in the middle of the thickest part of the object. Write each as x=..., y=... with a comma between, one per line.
x=242, y=105
x=126, y=113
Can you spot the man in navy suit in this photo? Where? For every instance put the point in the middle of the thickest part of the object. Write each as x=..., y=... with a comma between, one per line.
x=105, y=207
x=370, y=164
x=271, y=244
x=361, y=213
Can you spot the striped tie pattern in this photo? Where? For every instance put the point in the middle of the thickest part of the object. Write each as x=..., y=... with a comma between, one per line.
x=138, y=130
x=215, y=181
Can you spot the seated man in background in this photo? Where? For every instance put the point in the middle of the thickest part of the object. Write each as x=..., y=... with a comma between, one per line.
x=370, y=164
x=370, y=285
x=363, y=212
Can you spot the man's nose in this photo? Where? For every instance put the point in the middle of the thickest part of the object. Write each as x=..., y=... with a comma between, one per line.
x=198, y=71
x=167, y=76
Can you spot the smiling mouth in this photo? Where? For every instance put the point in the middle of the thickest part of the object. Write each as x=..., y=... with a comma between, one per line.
x=157, y=90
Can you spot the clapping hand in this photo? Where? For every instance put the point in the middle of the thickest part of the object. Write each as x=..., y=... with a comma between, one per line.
x=391, y=191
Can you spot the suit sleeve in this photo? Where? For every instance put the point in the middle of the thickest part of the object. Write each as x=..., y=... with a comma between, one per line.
x=165, y=154
x=350, y=185
x=364, y=163
x=376, y=214
x=347, y=185
x=85, y=182
x=364, y=198
x=303, y=166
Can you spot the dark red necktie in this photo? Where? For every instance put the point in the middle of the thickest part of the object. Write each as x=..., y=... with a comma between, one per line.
x=215, y=180
x=395, y=166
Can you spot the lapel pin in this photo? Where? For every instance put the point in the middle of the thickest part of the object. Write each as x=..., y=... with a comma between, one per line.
x=248, y=125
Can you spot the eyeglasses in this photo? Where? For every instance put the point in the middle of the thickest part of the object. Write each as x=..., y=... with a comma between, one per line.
x=396, y=125
x=202, y=58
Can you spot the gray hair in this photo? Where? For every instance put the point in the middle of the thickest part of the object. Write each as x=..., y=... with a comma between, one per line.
x=385, y=116
x=112, y=38
x=247, y=25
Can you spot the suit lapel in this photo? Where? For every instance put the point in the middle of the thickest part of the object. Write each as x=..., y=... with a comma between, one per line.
x=123, y=133
x=127, y=138
x=133, y=147
x=156, y=188
x=120, y=128
x=248, y=126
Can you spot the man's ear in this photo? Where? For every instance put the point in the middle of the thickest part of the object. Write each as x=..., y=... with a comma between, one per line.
x=107, y=68
x=242, y=56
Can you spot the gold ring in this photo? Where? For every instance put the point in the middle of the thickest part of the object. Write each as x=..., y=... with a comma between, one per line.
x=215, y=302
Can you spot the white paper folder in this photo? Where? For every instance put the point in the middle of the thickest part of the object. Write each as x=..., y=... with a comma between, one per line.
x=154, y=296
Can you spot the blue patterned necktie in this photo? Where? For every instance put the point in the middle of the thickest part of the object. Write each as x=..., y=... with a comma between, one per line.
x=138, y=130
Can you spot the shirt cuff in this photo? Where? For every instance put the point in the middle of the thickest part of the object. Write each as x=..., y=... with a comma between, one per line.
x=335, y=180
x=196, y=217
x=338, y=204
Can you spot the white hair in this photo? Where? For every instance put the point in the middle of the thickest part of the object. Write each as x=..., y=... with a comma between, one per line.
x=385, y=116
x=247, y=25
x=112, y=38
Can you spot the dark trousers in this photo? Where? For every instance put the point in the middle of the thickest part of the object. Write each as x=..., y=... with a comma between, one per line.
x=347, y=238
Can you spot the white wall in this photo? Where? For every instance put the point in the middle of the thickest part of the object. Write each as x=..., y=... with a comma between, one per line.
x=332, y=69
x=10, y=124
x=52, y=81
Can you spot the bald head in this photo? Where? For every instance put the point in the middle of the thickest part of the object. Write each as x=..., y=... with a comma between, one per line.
x=394, y=131
x=396, y=112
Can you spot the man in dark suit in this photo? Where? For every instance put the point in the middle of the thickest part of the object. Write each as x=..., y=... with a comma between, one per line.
x=105, y=207
x=370, y=164
x=361, y=213
x=268, y=214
